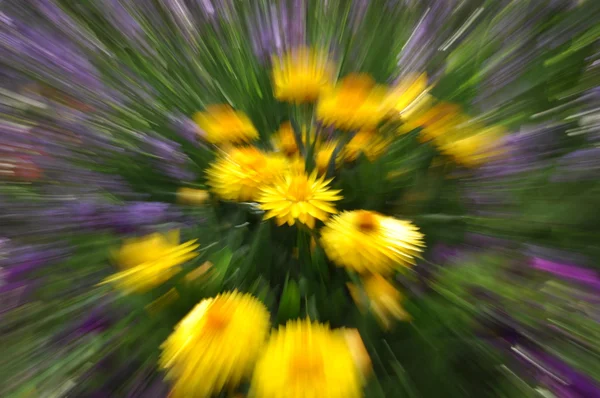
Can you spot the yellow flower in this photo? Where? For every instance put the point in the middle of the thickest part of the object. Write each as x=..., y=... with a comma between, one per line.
x=381, y=297
x=150, y=261
x=306, y=360
x=474, y=150
x=216, y=345
x=406, y=92
x=435, y=120
x=241, y=172
x=323, y=155
x=301, y=75
x=222, y=124
x=300, y=197
x=411, y=115
x=358, y=350
x=192, y=196
x=368, y=142
x=284, y=140
x=355, y=103
x=365, y=241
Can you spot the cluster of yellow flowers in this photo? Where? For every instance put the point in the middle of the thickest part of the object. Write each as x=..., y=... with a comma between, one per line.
x=468, y=141
x=225, y=340
x=362, y=241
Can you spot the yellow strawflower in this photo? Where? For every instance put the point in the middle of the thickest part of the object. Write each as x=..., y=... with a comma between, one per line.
x=435, y=120
x=368, y=242
x=359, y=351
x=149, y=261
x=323, y=155
x=284, y=140
x=224, y=125
x=216, y=345
x=239, y=173
x=367, y=142
x=192, y=196
x=307, y=360
x=414, y=112
x=301, y=75
x=406, y=92
x=355, y=103
x=300, y=197
x=381, y=297
x=474, y=150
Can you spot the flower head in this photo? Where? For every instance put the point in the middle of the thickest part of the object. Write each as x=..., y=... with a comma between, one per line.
x=355, y=103
x=367, y=142
x=150, y=261
x=406, y=92
x=241, y=172
x=381, y=297
x=298, y=196
x=216, y=345
x=323, y=155
x=474, y=150
x=301, y=75
x=365, y=241
x=304, y=359
x=192, y=196
x=284, y=140
x=222, y=124
x=436, y=120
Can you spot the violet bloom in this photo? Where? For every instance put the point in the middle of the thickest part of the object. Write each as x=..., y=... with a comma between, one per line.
x=62, y=21
x=74, y=215
x=51, y=56
x=524, y=150
x=17, y=261
x=573, y=272
x=570, y=383
x=138, y=215
x=277, y=28
x=169, y=158
x=96, y=321
x=583, y=164
x=186, y=128
x=442, y=253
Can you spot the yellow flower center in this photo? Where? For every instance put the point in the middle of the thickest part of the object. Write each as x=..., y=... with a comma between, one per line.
x=300, y=189
x=367, y=222
x=230, y=122
x=354, y=91
x=304, y=366
x=217, y=318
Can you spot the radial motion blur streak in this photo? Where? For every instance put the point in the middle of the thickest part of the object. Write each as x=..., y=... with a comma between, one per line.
x=299, y=198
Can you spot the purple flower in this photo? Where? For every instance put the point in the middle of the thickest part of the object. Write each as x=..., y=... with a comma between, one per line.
x=573, y=272
x=171, y=161
x=277, y=28
x=63, y=22
x=132, y=217
x=186, y=128
x=96, y=321
x=442, y=253
x=75, y=215
x=567, y=381
x=17, y=261
x=583, y=164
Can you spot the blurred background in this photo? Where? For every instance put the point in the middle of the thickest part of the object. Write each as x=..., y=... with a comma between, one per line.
x=108, y=126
